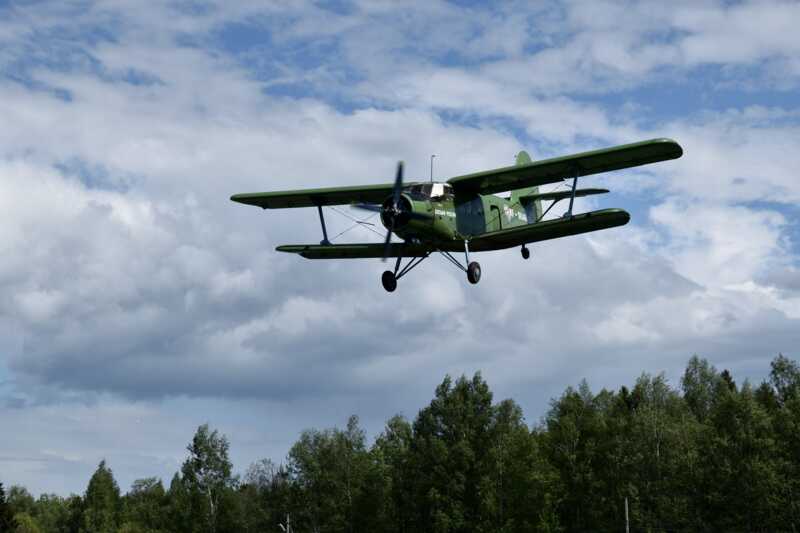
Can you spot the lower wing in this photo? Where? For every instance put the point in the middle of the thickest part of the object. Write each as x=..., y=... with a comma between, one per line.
x=495, y=240
x=354, y=251
x=550, y=229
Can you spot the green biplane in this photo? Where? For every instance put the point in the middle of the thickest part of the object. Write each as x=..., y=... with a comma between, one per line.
x=464, y=214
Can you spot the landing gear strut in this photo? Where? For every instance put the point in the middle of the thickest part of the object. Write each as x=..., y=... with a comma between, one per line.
x=473, y=268
x=389, y=278
x=525, y=252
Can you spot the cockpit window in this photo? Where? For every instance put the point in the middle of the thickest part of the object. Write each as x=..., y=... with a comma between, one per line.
x=430, y=191
x=441, y=191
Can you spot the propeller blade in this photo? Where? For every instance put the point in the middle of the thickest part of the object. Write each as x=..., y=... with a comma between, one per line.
x=369, y=207
x=388, y=243
x=398, y=184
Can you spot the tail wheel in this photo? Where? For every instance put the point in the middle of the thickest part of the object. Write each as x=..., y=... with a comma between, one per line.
x=390, y=281
x=525, y=252
x=474, y=272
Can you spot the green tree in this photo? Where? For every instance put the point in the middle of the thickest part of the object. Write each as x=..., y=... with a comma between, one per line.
x=452, y=439
x=52, y=513
x=7, y=522
x=75, y=514
x=781, y=396
x=20, y=500
x=207, y=477
x=265, y=496
x=699, y=383
x=785, y=378
x=519, y=479
x=179, y=512
x=390, y=483
x=101, y=507
x=660, y=452
x=26, y=524
x=575, y=431
x=329, y=469
x=741, y=463
x=145, y=505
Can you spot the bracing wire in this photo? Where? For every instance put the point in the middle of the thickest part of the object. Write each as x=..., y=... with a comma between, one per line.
x=363, y=223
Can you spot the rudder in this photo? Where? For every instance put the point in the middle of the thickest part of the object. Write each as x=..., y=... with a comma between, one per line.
x=533, y=209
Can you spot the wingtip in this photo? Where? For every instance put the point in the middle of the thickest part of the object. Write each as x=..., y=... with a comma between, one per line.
x=678, y=148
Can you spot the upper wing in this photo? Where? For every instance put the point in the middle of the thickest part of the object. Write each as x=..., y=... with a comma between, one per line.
x=559, y=168
x=368, y=194
x=353, y=251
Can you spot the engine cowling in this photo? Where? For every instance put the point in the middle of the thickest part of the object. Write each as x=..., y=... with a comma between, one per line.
x=396, y=217
x=415, y=219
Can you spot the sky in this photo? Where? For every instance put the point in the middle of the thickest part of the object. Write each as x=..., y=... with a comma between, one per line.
x=138, y=302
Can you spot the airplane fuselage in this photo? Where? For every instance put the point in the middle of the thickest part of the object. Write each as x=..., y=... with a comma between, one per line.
x=456, y=218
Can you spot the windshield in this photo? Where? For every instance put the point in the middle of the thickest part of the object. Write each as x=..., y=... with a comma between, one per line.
x=430, y=191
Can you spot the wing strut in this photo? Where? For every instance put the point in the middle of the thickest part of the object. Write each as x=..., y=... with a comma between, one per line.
x=324, y=241
x=568, y=214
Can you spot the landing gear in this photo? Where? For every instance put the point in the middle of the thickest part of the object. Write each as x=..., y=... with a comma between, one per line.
x=473, y=268
x=474, y=272
x=389, y=281
x=525, y=252
x=389, y=278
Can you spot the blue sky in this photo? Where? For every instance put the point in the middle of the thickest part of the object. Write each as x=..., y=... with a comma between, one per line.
x=139, y=302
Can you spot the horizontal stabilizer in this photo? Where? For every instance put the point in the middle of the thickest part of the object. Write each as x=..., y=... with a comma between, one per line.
x=559, y=195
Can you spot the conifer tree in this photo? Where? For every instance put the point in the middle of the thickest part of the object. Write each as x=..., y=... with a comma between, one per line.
x=101, y=507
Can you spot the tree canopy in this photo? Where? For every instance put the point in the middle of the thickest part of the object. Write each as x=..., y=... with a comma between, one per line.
x=712, y=455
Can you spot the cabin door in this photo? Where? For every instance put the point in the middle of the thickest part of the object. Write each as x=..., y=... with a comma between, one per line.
x=495, y=221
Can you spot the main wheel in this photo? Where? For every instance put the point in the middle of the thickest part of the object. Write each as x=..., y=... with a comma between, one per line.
x=474, y=272
x=389, y=281
x=525, y=252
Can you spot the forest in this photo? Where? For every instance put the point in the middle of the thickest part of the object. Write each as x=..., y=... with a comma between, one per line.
x=709, y=455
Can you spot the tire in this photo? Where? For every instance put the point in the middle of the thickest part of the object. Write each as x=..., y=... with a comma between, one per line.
x=525, y=252
x=474, y=272
x=389, y=281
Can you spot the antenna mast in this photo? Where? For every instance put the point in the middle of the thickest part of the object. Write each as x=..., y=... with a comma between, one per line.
x=432, y=156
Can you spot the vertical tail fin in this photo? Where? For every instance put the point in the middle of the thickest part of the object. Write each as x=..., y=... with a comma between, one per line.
x=533, y=209
x=523, y=158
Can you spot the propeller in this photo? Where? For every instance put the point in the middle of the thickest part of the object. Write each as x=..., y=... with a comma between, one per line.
x=392, y=209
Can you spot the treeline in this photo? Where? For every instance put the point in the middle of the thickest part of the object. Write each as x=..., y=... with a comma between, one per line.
x=712, y=456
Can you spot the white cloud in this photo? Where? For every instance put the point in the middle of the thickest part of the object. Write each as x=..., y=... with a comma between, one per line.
x=719, y=245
